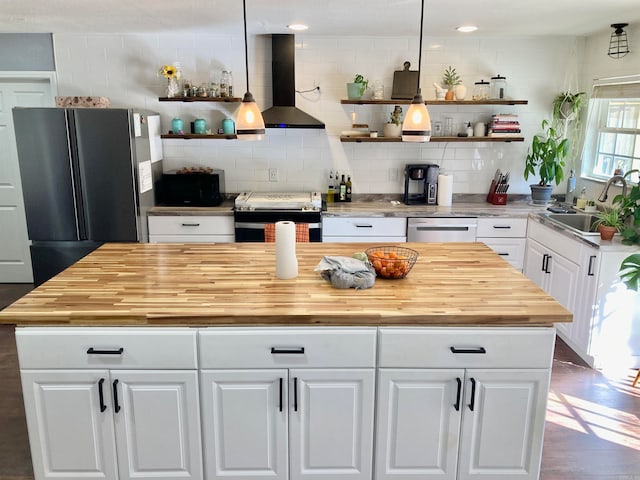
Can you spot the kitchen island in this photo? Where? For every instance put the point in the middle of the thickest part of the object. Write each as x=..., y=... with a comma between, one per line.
x=194, y=361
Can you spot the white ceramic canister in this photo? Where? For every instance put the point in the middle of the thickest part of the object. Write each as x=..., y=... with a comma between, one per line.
x=479, y=129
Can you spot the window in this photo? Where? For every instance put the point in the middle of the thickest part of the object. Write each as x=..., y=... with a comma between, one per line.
x=613, y=132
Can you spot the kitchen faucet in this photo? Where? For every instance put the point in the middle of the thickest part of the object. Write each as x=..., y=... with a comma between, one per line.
x=614, y=179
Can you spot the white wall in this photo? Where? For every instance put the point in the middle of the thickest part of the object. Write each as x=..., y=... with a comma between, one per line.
x=598, y=65
x=123, y=68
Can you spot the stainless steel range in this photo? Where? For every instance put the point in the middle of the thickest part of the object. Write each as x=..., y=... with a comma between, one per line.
x=255, y=209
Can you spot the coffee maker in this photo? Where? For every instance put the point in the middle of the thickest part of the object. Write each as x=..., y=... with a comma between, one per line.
x=421, y=183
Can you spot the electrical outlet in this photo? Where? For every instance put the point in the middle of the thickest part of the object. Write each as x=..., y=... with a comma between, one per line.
x=393, y=174
x=273, y=174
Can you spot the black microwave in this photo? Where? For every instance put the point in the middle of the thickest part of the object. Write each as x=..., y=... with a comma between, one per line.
x=195, y=189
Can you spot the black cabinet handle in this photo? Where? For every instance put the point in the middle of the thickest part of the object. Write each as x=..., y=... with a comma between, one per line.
x=93, y=351
x=473, y=394
x=468, y=350
x=457, y=404
x=590, y=271
x=294, y=350
x=547, y=267
x=502, y=226
x=190, y=224
x=116, y=405
x=295, y=394
x=103, y=407
x=280, y=393
x=363, y=225
x=503, y=254
x=544, y=262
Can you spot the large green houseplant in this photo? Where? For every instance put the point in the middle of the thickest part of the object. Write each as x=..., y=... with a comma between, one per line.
x=546, y=159
x=629, y=206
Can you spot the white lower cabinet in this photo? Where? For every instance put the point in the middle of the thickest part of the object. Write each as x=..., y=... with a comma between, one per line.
x=93, y=421
x=289, y=422
x=364, y=229
x=460, y=422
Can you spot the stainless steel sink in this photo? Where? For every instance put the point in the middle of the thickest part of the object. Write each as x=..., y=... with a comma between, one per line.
x=577, y=222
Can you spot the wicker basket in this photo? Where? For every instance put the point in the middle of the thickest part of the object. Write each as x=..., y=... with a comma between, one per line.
x=391, y=261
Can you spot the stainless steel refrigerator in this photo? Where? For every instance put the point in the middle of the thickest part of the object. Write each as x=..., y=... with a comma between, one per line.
x=87, y=178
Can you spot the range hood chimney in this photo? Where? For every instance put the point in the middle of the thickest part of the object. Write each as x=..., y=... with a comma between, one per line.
x=284, y=113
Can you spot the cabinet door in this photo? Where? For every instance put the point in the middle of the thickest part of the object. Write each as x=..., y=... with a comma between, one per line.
x=418, y=423
x=582, y=325
x=244, y=421
x=534, y=263
x=156, y=416
x=563, y=280
x=70, y=433
x=331, y=423
x=503, y=423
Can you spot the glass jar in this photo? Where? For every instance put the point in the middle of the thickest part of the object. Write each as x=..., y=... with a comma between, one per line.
x=228, y=127
x=224, y=84
x=481, y=90
x=230, y=83
x=199, y=126
x=177, y=126
x=498, y=87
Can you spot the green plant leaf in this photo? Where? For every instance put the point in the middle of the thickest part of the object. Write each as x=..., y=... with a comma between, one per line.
x=630, y=271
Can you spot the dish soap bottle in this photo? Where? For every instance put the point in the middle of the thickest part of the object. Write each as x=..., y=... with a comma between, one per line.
x=469, y=130
x=582, y=201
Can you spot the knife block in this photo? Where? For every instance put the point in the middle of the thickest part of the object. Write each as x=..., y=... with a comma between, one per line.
x=496, y=198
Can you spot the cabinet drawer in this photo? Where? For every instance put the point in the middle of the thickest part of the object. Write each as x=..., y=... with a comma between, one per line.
x=431, y=347
x=191, y=225
x=309, y=347
x=567, y=247
x=364, y=226
x=511, y=249
x=336, y=238
x=502, y=227
x=192, y=238
x=62, y=347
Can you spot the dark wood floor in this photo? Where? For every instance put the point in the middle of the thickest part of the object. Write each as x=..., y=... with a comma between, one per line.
x=592, y=430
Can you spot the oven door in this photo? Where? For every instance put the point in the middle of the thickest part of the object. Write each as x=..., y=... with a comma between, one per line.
x=249, y=226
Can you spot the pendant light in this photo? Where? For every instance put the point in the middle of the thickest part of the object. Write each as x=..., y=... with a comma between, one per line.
x=618, y=44
x=417, y=122
x=249, y=124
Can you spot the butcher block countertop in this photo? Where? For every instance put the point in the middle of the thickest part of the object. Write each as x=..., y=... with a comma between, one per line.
x=451, y=284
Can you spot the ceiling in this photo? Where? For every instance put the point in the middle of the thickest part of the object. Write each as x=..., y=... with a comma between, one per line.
x=324, y=17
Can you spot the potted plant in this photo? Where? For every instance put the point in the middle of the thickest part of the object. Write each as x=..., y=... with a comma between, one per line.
x=356, y=89
x=546, y=158
x=450, y=78
x=629, y=205
x=630, y=271
x=393, y=128
x=567, y=105
x=609, y=221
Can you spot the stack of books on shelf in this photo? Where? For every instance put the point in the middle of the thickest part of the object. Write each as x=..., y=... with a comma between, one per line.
x=504, y=125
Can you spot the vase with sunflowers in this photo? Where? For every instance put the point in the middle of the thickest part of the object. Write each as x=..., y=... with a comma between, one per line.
x=172, y=74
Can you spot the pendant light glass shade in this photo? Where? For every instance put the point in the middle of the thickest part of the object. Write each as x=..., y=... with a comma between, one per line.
x=417, y=122
x=249, y=124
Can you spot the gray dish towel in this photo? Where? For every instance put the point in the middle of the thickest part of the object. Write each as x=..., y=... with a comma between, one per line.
x=346, y=272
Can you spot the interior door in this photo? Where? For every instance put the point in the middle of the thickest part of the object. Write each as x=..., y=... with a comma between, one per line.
x=15, y=261
x=331, y=423
x=70, y=428
x=157, y=424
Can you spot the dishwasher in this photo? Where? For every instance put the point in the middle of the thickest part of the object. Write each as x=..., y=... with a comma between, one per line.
x=442, y=229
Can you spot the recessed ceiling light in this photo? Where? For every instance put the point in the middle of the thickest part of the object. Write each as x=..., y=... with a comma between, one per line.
x=467, y=28
x=298, y=27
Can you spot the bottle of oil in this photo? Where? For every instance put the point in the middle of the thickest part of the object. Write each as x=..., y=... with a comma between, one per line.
x=343, y=189
x=331, y=188
x=349, y=185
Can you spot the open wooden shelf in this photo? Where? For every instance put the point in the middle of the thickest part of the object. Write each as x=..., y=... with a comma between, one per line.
x=200, y=99
x=194, y=136
x=435, y=102
x=362, y=139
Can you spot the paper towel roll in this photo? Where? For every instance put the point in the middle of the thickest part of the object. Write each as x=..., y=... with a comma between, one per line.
x=445, y=189
x=286, y=261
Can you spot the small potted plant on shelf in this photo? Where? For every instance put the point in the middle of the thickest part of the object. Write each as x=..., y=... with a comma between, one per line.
x=393, y=128
x=356, y=89
x=450, y=79
x=609, y=221
x=546, y=157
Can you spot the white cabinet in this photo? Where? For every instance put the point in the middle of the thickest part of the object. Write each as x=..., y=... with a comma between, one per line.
x=90, y=415
x=505, y=236
x=286, y=411
x=191, y=228
x=364, y=229
x=455, y=421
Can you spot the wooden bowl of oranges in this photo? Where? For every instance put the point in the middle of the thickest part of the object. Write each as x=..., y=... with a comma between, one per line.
x=391, y=261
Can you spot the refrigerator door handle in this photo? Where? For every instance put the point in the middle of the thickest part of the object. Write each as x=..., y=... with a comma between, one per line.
x=74, y=166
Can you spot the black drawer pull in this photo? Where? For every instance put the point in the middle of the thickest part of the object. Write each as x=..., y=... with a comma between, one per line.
x=544, y=262
x=93, y=351
x=502, y=226
x=467, y=350
x=294, y=350
x=116, y=405
x=190, y=224
x=503, y=254
x=103, y=407
x=547, y=267
x=295, y=394
x=457, y=404
x=362, y=225
x=473, y=394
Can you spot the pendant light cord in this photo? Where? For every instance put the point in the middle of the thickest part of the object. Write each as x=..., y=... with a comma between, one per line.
x=246, y=54
x=420, y=51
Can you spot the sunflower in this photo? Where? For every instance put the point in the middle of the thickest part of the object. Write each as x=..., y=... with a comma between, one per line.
x=168, y=71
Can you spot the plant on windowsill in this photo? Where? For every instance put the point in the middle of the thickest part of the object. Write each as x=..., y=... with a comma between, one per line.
x=546, y=158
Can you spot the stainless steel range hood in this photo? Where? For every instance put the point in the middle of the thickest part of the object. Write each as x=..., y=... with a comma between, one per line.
x=284, y=113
